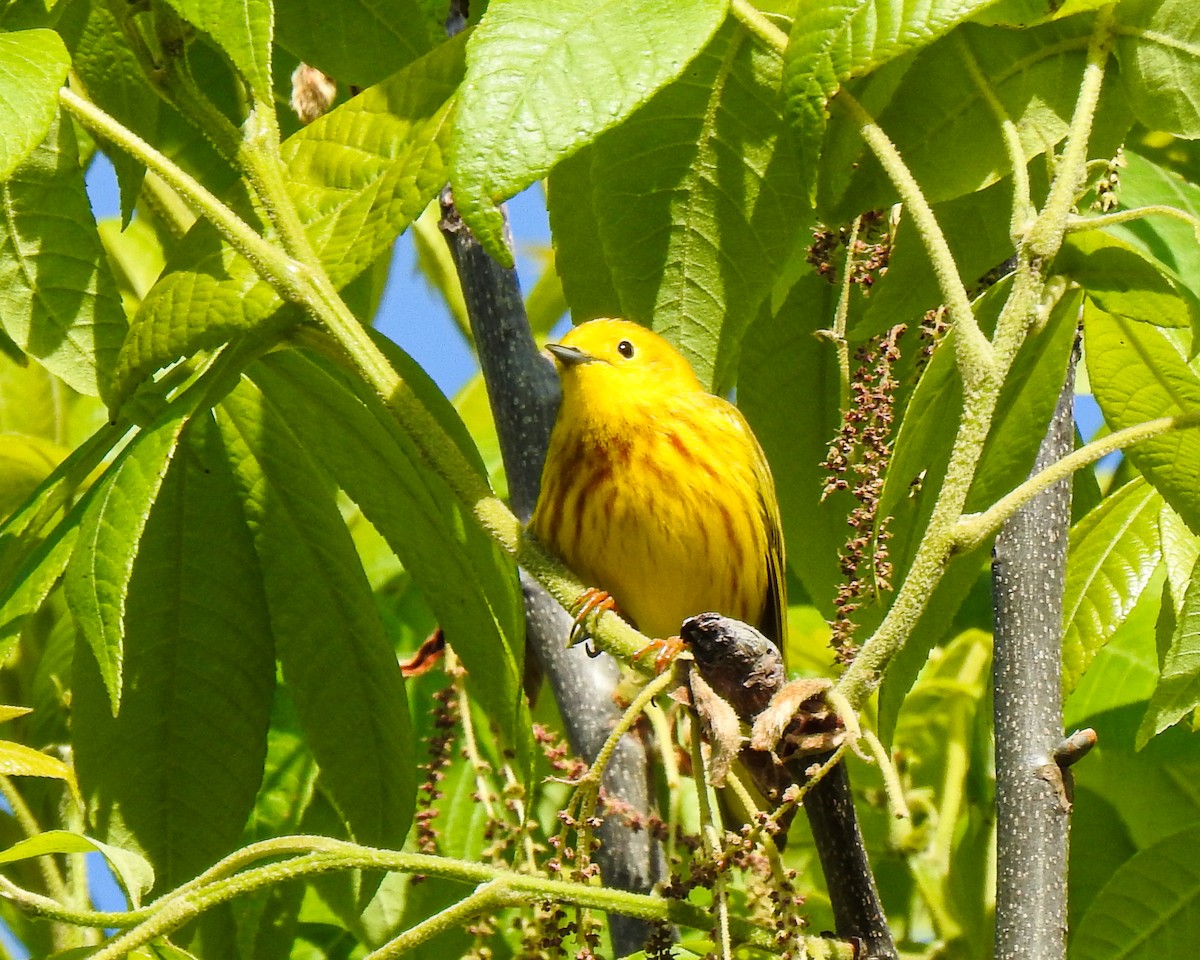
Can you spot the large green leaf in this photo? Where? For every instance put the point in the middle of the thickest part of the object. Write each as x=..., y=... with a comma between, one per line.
x=242, y=29
x=1121, y=280
x=357, y=41
x=578, y=252
x=1178, y=692
x=177, y=771
x=697, y=202
x=1158, y=46
x=943, y=125
x=1171, y=242
x=469, y=583
x=1110, y=557
x=110, y=536
x=358, y=177
x=781, y=350
x=58, y=299
x=834, y=41
x=1149, y=909
x=1138, y=374
x=544, y=80
x=337, y=661
x=33, y=65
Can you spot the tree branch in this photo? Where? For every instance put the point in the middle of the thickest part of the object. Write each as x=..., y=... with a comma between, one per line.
x=524, y=395
x=1028, y=572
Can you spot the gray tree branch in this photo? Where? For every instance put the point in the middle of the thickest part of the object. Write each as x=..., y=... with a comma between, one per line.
x=1032, y=794
x=524, y=395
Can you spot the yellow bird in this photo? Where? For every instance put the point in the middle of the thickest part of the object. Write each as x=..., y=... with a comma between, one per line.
x=655, y=491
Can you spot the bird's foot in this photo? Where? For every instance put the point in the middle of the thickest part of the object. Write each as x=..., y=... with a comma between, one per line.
x=666, y=650
x=588, y=605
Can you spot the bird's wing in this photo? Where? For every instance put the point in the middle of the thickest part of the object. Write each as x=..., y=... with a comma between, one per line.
x=774, y=618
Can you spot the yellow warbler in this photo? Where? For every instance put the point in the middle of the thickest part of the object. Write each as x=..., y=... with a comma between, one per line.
x=656, y=491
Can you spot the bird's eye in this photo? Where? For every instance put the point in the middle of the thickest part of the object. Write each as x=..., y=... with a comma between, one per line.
x=625, y=349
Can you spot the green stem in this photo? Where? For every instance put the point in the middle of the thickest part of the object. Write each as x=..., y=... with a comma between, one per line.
x=841, y=316
x=176, y=909
x=37, y=905
x=975, y=361
x=1076, y=224
x=284, y=274
x=759, y=24
x=1023, y=210
x=1045, y=237
x=489, y=898
x=974, y=528
x=982, y=376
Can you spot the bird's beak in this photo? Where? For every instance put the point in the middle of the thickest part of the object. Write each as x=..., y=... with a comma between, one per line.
x=569, y=356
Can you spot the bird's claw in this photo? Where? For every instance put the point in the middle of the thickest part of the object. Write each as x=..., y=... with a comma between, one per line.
x=592, y=602
x=667, y=651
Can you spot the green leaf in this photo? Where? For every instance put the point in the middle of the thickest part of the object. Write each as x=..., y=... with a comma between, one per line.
x=357, y=42
x=1178, y=692
x=33, y=65
x=18, y=760
x=110, y=535
x=943, y=124
x=781, y=349
x=1157, y=42
x=176, y=773
x=834, y=41
x=1100, y=843
x=1110, y=557
x=1125, y=671
x=1172, y=243
x=134, y=873
x=337, y=661
x=1026, y=405
x=544, y=80
x=58, y=299
x=242, y=29
x=715, y=172
x=104, y=61
x=358, y=176
x=1181, y=550
x=1137, y=374
x=1149, y=909
x=578, y=250
x=1121, y=280
x=24, y=463
x=470, y=584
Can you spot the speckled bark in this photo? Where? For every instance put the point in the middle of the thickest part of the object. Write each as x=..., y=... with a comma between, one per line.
x=1031, y=813
x=524, y=394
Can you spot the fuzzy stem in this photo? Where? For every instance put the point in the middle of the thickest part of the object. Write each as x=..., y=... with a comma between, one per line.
x=974, y=528
x=1077, y=224
x=176, y=909
x=975, y=360
x=759, y=24
x=490, y=897
x=1023, y=209
x=981, y=381
x=1045, y=237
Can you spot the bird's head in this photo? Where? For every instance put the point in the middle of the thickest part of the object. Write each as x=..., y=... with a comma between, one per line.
x=615, y=356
